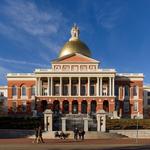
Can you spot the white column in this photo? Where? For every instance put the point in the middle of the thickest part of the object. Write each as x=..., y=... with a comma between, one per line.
x=97, y=86
x=48, y=86
x=41, y=87
x=88, y=92
x=101, y=86
x=60, y=87
x=63, y=124
x=39, y=82
x=69, y=86
x=113, y=87
x=86, y=128
x=51, y=86
x=79, y=84
x=36, y=90
x=98, y=123
x=109, y=86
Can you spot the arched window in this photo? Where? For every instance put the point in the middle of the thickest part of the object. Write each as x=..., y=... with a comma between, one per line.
x=33, y=90
x=56, y=106
x=93, y=106
x=23, y=90
x=65, y=107
x=106, y=105
x=14, y=91
x=84, y=107
x=74, y=107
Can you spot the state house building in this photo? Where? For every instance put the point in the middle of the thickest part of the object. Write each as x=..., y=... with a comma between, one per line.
x=76, y=84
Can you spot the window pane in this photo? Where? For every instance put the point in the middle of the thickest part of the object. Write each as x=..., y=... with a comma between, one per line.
x=116, y=91
x=74, y=90
x=148, y=101
x=56, y=90
x=23, y=91
x=135, y=90
x=83, y=90
x=14, y=91
x=92, y=90
x=126, y=106
x=65, y=90
x=33, y=91
x=126, y=91
x=148, y=93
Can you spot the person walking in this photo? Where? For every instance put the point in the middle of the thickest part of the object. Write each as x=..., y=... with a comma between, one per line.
x=40, y=138
x=82, y=134
x=36, y=135
x=76, y=131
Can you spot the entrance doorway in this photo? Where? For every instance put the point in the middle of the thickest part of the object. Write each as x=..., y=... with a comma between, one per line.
x=56, y=107
x=75, y=107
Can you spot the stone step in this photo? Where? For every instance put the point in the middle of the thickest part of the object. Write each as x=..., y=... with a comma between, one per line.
x=88, y=135
x=133, y=133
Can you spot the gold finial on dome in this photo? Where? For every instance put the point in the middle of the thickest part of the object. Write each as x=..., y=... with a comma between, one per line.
x=74, y=32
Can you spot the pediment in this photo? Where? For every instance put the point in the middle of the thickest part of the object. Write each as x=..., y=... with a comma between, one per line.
x=75, y=58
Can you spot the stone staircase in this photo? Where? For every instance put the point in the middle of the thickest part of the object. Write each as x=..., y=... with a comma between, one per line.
x=88, y=135
x=133, y=133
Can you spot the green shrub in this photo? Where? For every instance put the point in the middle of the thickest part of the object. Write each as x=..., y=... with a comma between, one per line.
x=19, y=122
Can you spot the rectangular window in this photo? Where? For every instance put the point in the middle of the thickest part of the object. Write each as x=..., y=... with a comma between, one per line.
x=44, y=91
x=83, y=90
x=65, y=90
x=33, y=91
x=116, y=90
x=148, y=101
x=104, y=91
x=92, y=90
x=127, y=89
x=1, y=93
x=135, y=107
x=148, y=93
x=126, y=106
x=74, y=90
x=56, y=90
x=117, y=104
x=135, y=91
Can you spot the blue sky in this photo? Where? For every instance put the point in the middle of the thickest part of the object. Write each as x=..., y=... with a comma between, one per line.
x=32, y=33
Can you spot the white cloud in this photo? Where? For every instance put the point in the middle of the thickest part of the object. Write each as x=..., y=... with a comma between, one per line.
x=3, y=73
x=25, y=17
x=110, y=14
x=22, y=62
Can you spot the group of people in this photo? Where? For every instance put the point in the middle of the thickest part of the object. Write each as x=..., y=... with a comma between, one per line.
x=62, y=135
x=38, y=135
x=79, y=134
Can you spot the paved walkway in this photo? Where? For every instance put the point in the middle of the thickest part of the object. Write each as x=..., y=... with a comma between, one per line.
x=105, y=144
x=78, y=142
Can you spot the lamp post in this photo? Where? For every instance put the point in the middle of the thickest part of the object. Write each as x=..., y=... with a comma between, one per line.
x=137, y=127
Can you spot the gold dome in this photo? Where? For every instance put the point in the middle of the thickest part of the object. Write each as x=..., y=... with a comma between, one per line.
x=74, y=45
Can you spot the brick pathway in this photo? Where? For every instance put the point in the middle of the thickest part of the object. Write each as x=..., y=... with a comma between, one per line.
x=69, y=142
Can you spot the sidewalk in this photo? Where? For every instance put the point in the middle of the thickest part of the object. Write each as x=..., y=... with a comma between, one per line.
x=78, y=142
